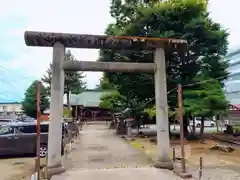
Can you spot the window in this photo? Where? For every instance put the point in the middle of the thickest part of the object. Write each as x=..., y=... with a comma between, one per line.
x=6, y=130
x=26, y=129
x=232, y=86
x=234, y=76
x=234, y=58
x=31, y=129
x=234, y=68
x=44, y=128
x=5, y=120
x=234, y=95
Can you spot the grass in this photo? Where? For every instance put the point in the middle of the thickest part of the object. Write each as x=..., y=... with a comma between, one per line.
x=136, y=145
x=150, y=149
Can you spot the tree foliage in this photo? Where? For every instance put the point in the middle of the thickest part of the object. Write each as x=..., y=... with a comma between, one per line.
x=105, y=84
x=205, y=100
x=73, y=82
x=113, y=100
x=187, y=19
x=29, y=104
x=152, y=112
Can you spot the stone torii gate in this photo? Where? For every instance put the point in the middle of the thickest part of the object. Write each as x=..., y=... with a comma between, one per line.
x=60, y=41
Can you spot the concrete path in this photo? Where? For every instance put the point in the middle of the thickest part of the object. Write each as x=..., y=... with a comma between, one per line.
x=100, y=154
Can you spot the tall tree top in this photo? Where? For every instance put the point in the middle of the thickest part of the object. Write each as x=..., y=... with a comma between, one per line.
x=74, y=81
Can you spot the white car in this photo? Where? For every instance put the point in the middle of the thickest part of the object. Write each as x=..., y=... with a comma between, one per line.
x=8, y=121
x=207, y=123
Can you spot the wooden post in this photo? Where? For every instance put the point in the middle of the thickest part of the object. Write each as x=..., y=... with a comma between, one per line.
x=76, y=113
x=81, y=112
x=69, y=104
x=200, y=168
x=37, y=160
x=174, y=155
x=180, y=116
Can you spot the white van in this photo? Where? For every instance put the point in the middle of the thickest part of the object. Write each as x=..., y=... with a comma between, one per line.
x=207, y=122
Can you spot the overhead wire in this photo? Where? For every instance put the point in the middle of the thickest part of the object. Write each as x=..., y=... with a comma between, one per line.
x=19, y=74
x=7, y=97
x=187, y=85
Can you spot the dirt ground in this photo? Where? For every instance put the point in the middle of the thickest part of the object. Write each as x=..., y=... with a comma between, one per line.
x=216, y=164
x=17, y=168
x=193, y=151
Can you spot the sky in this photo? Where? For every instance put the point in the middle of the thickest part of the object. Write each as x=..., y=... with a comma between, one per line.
x=20, y=65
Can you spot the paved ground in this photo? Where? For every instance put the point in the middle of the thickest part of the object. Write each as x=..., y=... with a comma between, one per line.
x=100, y=154
x=118, y=174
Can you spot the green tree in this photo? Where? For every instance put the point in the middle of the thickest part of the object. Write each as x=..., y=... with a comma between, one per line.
x=113, y=101
x=116, y=101
x=105, y=84
x=29, y=104
x=187, y=19
x=73, y=82
x=205, y=100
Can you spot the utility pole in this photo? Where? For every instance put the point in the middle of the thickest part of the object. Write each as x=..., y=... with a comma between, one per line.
x=37, y=160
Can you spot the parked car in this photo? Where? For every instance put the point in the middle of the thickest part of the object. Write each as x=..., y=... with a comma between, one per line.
x=20, y=139
x=7, y=121
x=207, y=123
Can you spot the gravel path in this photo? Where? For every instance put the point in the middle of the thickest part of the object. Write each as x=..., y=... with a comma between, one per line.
x=99, y=147
x=100, y=154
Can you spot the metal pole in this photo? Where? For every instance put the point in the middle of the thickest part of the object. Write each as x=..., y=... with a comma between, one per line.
x=180, y=116
x=37, y=161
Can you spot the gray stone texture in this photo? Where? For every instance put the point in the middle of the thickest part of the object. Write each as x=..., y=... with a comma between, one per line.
x=48, y=39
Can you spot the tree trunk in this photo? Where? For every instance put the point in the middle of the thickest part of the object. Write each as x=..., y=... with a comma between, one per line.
x=185, y=126
x=202, y=126
x=217, y=122
x=194, y=126
x=138, y=128
x=138, y=120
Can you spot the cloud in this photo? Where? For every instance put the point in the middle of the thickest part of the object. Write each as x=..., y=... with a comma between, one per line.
x=29, y=63
x=225, y=13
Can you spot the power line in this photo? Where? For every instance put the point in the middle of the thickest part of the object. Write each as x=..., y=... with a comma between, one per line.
x=16, y=73
x=187, y=85
x=207, y=80
x=12, y=85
